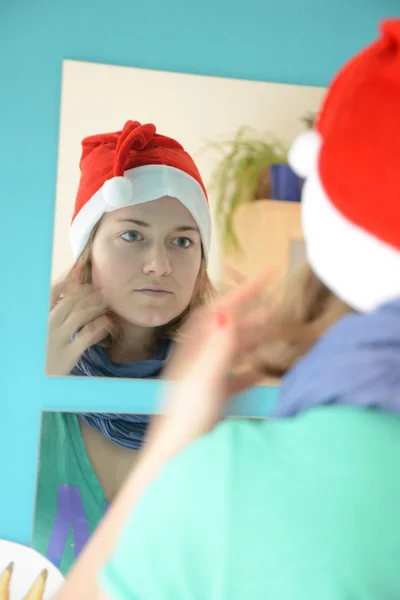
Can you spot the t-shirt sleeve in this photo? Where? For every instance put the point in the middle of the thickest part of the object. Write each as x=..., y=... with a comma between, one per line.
x=292, y=510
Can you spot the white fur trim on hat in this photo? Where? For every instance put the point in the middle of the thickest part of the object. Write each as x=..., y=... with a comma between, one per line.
x=140, y=185
x=304, y=152
x=118, y=192
x=356, y=266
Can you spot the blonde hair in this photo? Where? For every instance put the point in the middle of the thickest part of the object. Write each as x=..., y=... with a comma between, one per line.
x=204, y=292
x=305, y=311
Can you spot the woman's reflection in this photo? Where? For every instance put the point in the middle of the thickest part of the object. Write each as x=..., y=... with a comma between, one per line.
x=141, y=236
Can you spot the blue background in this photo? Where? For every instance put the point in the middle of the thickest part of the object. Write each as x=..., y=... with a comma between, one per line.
x=292, y=41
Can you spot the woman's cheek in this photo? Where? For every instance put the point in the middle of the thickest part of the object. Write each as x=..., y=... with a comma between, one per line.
x=108, y=269
x=120, y=255
x=187, y=273
x=187, y=257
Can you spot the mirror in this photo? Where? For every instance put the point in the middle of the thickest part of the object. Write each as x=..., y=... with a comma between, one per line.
x=234, y=180
x=153, y=258
x=83, y=461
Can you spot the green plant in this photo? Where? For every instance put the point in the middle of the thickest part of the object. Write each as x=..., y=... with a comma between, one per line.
x=237, y=174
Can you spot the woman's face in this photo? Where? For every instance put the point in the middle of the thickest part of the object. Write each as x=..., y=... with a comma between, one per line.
x=146, y=259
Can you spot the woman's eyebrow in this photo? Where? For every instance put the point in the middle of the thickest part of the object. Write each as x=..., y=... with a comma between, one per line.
x=135, y=221
x=143, y=224
x=187, y=228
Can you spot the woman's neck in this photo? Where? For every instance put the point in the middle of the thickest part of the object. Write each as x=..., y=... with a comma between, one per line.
x=136, y=343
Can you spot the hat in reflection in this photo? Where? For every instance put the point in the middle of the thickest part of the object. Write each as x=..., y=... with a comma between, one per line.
x=351, y=162
x=130, y=167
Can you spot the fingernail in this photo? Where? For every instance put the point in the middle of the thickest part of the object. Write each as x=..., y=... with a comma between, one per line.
x=222, y=319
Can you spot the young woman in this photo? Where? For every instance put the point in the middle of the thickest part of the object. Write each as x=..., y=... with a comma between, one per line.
x=141, y=236
x=291, y=508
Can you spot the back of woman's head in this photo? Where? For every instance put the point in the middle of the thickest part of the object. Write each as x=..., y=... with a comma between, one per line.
x=306, y=308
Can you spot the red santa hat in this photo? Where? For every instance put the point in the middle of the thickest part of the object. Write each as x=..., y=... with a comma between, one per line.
x=130, y=167
x=351, y=162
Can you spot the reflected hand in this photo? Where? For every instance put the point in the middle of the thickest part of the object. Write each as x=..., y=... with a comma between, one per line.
x=209, y=366
x=77, y=321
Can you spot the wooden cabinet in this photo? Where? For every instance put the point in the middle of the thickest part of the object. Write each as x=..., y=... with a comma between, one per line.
x=270, y=235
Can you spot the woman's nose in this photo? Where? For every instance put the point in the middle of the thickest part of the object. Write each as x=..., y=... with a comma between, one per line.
x=156, y=262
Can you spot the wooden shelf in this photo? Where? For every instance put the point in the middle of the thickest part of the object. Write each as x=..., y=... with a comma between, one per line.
x=271, y=236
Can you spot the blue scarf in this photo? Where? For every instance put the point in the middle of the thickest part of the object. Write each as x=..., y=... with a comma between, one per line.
x=125, y=430
x=357, y=362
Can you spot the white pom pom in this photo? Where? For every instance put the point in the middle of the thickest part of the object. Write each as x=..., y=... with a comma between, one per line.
x=118, y=192
x=304, y=152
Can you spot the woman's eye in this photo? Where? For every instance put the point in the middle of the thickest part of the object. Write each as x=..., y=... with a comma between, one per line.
x=183, y=242
x=132, y=236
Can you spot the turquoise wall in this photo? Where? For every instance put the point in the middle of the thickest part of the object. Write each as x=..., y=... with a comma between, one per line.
x=294, y=41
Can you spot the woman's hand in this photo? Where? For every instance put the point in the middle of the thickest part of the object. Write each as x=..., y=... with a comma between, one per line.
x=209, y=365
x=77, y=321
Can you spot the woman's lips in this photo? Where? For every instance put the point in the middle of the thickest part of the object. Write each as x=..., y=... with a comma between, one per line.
x=153, y=293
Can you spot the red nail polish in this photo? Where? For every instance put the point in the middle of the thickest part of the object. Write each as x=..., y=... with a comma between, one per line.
x=222, y=319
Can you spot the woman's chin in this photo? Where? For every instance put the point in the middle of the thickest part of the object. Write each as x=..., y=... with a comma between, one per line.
x=151, y=318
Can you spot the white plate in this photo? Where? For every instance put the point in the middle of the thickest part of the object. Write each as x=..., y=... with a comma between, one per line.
x=28, y=565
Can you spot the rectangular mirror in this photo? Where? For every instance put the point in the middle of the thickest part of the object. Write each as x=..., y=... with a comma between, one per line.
x=83, y=462
x=154, y=270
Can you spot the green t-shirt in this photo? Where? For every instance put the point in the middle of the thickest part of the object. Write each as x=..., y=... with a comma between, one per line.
x=298, y=509
x=70, y=501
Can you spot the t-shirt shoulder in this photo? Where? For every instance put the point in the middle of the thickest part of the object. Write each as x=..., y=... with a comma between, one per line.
x=270, y=509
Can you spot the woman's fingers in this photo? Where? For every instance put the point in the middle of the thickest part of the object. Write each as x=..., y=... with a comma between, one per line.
x=247, y=334
x=217, y=350
x=90, y=334
x=255, y=329
x=213, y=344
x=235, y=302
x=76, y=322
x=57, y=290
x=82, y=314
x=84, y=295
x=251, y=328
x=62, y=358
x=65, y=285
